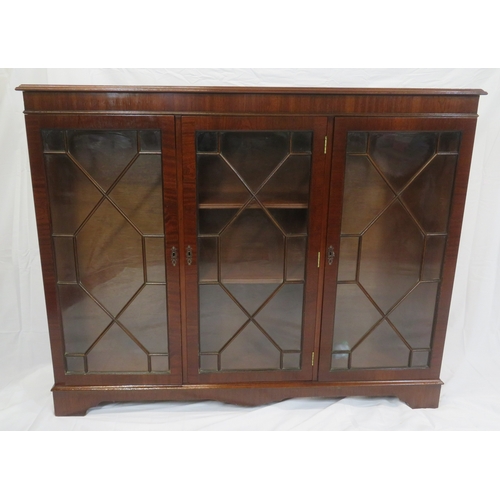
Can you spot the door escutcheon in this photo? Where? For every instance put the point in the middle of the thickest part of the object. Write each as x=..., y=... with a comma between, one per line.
x=330, y=255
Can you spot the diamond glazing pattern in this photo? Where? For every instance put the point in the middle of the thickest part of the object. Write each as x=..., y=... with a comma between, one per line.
x=253, y=192
x=398, y=189
x=105, y=193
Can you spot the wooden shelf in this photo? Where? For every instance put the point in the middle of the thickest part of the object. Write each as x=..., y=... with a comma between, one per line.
x=228, y=205
x=251, y=282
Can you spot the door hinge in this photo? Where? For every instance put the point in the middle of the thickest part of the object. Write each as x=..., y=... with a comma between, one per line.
x=319, y=258
x=326, y=142
x=312, y=359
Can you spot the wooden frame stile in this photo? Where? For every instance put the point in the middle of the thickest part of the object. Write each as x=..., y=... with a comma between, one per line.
x=334, y=197
x=182, y=243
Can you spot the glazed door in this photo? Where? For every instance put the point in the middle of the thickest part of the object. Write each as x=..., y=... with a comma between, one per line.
x=252, y=234
x=102, y=188
x=397, y=190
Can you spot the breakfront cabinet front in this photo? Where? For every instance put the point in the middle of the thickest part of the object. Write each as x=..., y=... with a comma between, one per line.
x=247, y=245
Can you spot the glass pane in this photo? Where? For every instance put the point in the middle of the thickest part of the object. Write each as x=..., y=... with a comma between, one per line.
x=150, y=141
x=401, y=155
x=209, y=362
x=366, y=194
x=348, y=258
x=110, y=316
x=139, y=194
x=289, y=185
x=146, y=318
x=253, y=199
x=65, y=259
x=449, y=142
x=340, y=361
x=254, y=155
x=390, y=304
x=215, y=304
x=83, y=320
x=218, y=185
x=291, y=360
x=213, y=221
x=429, y=195
x=281, y=318
x=250, y=350
x=110, y=258
x=420, y=358
x=296, y=249
x=391, y=253
x=382, y=348
x=54, y=141
x=433, y=257
x=75, y=364
x=155, y=260
x=251, y=296
x=207, y=259
x=355, y=316
x=302, y=142
x=116, y=352
x=104, y=154
x=252, y=248
x=291, y=221
x=71, y=195
x=414, y=317
x=207, y=142
x=159, y=363
x=357, y=142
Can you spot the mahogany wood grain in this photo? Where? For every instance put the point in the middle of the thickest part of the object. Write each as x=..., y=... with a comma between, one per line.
x=76, y=401
x=178, y=112
x=248, y=101
x=256, y=90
